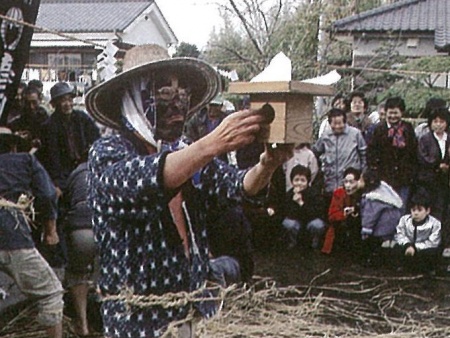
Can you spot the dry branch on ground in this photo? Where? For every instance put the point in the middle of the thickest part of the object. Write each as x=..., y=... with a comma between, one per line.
x=360, y=306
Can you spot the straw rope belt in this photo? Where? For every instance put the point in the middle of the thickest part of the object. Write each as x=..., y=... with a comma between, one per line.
x=24, y=207
x=173, y=299
x=170, y=299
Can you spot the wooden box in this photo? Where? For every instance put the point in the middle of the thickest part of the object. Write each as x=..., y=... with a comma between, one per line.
x=293, y=102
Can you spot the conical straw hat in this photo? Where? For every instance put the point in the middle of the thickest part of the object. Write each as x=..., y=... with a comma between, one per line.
x=103, y=101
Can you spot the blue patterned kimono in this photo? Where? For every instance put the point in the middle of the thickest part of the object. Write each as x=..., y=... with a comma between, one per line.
x=140, y=248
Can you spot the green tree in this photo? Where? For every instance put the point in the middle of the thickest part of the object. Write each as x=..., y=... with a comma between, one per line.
x=187, y=50
x=255, y=31
x=419, y=82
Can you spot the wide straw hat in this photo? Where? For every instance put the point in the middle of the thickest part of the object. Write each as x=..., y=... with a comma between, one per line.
x=103, y=102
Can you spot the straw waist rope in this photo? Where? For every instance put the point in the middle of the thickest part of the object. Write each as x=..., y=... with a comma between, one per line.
x=24, y=207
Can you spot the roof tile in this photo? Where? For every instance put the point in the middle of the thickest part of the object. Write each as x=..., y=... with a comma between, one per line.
x=89, y=15
x=404, y=15
x=422, y=15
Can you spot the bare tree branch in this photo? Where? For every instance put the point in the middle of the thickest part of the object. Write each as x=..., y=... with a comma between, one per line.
x=238, y=55
x=247, y=29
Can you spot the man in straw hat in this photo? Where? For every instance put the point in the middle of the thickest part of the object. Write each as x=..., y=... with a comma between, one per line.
x=148, y=215
x=23, y=178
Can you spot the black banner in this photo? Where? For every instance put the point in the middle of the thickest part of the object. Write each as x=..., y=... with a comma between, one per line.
x=14, y=47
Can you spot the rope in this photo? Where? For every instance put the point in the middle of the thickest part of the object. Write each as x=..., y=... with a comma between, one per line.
x=170, y=299
x=23, y=206
x=390, y=71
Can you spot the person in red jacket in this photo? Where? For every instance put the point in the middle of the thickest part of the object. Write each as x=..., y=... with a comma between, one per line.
x=344, y=229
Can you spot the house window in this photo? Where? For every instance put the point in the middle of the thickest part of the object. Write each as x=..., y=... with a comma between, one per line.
x=64, y=60
x=65, y=64
x=412, y=43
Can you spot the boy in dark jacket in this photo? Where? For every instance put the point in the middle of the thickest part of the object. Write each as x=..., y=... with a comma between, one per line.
x=303, y=209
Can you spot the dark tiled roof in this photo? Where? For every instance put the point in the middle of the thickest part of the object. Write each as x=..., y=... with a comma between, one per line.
x=404, y=15
x=89, y=15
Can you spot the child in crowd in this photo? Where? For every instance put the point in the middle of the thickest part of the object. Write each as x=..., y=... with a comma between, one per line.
x=302, y=155
x=381, y=209
x=418, y=236
x=344, y=230
x=304, y=209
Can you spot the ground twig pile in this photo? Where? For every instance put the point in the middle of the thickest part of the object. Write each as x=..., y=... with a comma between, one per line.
x=365, y=306
x=356, y=306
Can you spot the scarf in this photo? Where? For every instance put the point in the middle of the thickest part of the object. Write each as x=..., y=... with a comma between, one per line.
x=397, y=134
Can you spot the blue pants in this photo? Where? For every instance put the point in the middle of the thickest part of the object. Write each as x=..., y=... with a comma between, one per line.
x=316, y=228
x=224, y=270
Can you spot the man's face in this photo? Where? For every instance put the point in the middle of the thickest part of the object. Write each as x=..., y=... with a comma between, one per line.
x=357, y=105
x=300, y=182
x=418, y=213
x=393, y=115
x=64, y=104
x=337, y=125
x=172, y=106
x=31, y=101
x=351, y=184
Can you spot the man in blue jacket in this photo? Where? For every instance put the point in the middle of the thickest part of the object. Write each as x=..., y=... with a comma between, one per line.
x=24, y=182
x=149, y=213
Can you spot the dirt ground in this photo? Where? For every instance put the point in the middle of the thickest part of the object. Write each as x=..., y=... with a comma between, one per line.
x=387, y=298
x=299, y=266
x=349, y=300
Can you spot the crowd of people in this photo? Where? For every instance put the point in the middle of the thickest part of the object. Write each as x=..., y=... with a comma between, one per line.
x=44, y=156
x=145, y=196
x=171, y=200
x=375, y=174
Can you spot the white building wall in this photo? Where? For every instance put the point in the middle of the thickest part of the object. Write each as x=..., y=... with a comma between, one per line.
x=150, y=27
x=409, y=46
x=418, y=46
x=144, y=32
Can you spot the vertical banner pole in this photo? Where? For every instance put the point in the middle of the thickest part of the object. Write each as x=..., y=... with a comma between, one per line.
x=15, y=42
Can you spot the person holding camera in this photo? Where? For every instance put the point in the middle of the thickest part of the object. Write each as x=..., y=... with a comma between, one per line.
x=344, y=230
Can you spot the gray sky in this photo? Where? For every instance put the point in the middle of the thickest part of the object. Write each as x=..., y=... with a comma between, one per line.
x=191, y=20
